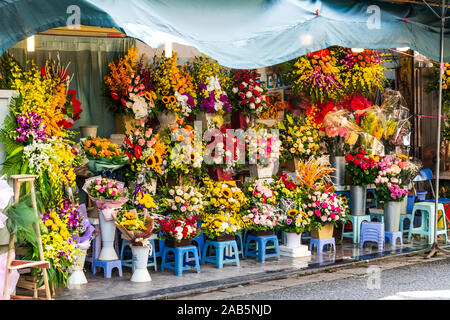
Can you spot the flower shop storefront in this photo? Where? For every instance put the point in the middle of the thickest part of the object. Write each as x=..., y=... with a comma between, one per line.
x=160, y=168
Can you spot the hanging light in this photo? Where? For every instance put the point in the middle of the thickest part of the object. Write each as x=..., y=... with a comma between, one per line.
x=30, y=44
x=402, y=48
x=168, y=49
x=357, y=50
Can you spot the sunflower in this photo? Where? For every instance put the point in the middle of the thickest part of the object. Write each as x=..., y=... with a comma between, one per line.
x=165, y=100
x=150, y=161
x=292, y=212
x=164, y=93
x=158, y=159
x=226, y=192
x=193, y=157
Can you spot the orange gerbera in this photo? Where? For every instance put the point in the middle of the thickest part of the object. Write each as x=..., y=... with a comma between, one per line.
x=93, y=151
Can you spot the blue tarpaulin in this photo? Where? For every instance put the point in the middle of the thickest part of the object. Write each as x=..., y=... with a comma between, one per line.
x=237, y=33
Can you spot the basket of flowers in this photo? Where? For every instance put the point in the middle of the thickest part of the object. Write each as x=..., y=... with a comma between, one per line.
x=103, y=154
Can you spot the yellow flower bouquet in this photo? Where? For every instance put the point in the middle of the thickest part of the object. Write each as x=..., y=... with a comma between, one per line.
x=221, y=226
x=133, y=225
x=223, y=196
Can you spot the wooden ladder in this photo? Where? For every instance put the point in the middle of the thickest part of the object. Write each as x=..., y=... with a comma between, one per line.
x=23, y=264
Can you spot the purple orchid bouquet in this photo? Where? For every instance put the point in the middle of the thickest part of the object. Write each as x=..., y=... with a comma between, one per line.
x=212, y=98
x=30, y=127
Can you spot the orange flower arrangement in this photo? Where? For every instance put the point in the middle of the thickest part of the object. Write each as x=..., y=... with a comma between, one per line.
x=100, y=148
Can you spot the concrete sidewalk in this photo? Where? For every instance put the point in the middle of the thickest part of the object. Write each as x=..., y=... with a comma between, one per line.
x=165, y=285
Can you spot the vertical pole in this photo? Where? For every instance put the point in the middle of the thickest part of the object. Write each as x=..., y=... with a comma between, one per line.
x=438, y=143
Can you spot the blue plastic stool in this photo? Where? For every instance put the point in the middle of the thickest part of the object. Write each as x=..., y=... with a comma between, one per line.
x=261, y=249
x=107, y=267
x=392, y=237
x=240, y=239
x=356, y=223
x=321, y=243
x=427, y=229
x=179, y=265
x=220, y=257
x=403, y=217
x=374, y=203
x=376, y=213
x=372, y=231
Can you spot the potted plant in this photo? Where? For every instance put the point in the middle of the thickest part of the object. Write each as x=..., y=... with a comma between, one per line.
x=362, y=170
x=390, y=192
x=107, y=194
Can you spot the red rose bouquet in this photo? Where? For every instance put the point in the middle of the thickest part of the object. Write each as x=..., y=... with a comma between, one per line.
x=361, y=168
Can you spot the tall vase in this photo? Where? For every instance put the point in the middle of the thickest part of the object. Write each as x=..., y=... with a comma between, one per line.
x=108, y=232
x=392, y=216
x=167, y=119
x=338, y=164
x=77, y=276
x=293, y=240
x=140, y=260
x=358, y=200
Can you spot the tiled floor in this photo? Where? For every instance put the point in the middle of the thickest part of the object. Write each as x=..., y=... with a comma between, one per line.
x=165, y=283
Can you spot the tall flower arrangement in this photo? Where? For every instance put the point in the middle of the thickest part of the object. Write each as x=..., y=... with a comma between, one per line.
x=389, y=183
x=318, y=75
x=129, y=86
x=174, y=87
x=211, y=80
x=361, y=167
x=146, y=152
x=248, y=94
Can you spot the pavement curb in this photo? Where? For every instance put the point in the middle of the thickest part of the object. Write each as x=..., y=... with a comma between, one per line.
x=215, y=285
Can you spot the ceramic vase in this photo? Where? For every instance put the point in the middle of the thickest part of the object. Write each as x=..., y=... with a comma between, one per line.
x=140, y=260
x=108, y=232
x=293, y=240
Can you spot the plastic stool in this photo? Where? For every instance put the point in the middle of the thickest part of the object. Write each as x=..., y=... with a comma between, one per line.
x=321, y=243
x=260, y=250
x=356, y=223
x=376, y=213
x=427, y=229
x=392, y=237
x=240, y=239
x=220, y=258
x=107, y=267
x=179, y=265
x=372, y=231
x=403, y=217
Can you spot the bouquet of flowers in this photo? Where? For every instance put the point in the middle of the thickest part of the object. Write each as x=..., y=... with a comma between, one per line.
x=294, y=221
x=103, y=154
x=142, y=199
x=179, y=228
x=222, y=196
x=388, y=183
x=361, y=168
x=248, y=94
x=263, y=146
x=107, y=194
x=410, y=169
x=284, y=187
x=341, y=133
x=146, y=152
x=221, y=224
x=261, y=218
x=186, y=154
x=181, y=200
x=129, y=84
x=318, y=75
x=133, y=225
x=174, y=87
x=300, y=137
x=323, y=206
x=314, y=172
x=260, y=191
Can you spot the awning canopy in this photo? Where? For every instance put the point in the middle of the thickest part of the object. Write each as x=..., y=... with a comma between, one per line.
x=239, y=34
